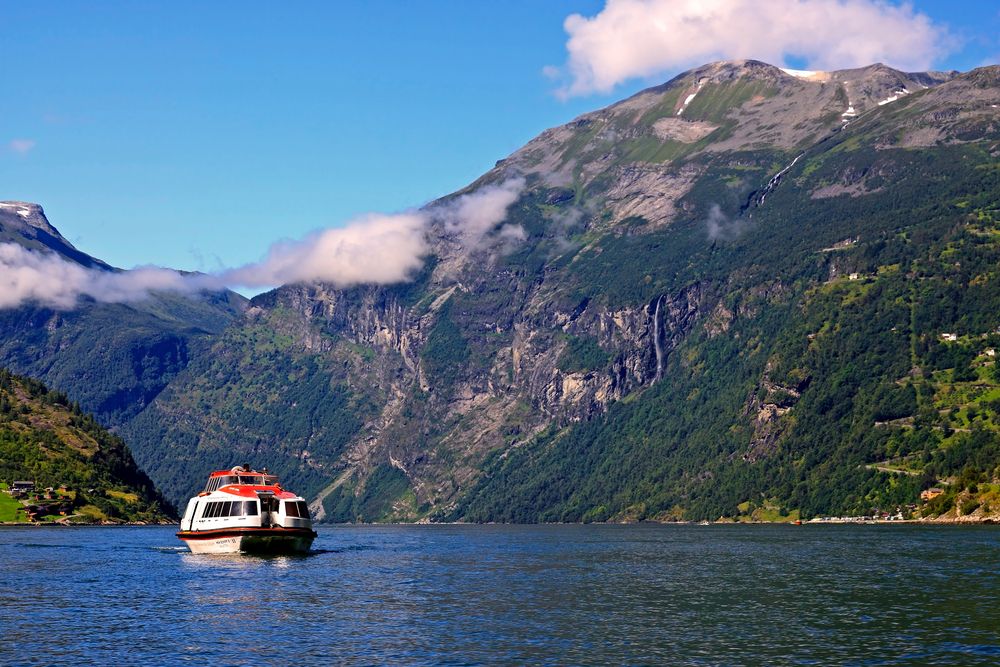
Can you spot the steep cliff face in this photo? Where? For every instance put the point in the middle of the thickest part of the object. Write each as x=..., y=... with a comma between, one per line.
x=427, y=386
x=633, y=350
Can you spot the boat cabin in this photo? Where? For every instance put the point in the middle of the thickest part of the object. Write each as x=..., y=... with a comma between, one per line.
x=245, y=497
x=239, y=475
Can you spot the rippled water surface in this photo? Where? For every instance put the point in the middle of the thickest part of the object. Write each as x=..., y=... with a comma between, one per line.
x=712, y=595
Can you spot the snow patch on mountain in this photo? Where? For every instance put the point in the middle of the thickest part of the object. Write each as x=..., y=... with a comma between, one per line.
x=895, y=96
x=690, y=97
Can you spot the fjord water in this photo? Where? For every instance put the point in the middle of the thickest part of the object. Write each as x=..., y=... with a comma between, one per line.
x=646, y=594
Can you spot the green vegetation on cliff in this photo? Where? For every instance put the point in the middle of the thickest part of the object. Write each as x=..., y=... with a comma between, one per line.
x=47, y=439
x=856, y=368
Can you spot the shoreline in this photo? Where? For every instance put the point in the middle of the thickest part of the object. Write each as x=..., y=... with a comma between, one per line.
x=65, y=524
x=837, y=521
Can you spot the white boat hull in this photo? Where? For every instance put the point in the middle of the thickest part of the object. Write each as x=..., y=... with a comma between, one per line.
x=261, y=541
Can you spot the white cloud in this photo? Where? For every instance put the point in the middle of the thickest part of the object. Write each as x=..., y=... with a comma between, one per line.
x=47, y=278
x=21, y=146
x=643, y=38
x=380, y=249
x=721, y=228
x=374, y=249
x=385, y=249
x=473, y=217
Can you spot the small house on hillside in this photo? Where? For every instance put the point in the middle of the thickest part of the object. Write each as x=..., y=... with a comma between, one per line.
x=21, y=488
x=931, y=493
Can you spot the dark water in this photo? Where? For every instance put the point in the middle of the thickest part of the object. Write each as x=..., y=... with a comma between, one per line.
x=667, y=595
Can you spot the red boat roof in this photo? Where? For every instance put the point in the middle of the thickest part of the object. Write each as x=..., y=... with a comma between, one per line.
x=248, y=491
x=240, y=470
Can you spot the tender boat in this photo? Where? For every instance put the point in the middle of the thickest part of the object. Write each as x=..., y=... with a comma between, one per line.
x=245, y=510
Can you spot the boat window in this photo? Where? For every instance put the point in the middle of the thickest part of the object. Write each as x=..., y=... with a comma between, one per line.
x=250, y=508
x=207, y=512
x=237, y=508
x=291, y=508
x=270, y=480
x=250, y=479
x=216, y=507
x=303, y=509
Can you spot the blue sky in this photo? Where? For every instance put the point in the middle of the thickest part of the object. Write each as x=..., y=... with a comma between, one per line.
x=193, y=135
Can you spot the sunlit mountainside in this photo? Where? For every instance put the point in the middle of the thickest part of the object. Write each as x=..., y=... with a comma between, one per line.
x=746, y=292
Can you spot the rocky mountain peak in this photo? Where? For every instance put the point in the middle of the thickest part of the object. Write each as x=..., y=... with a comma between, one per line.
x=20, y=214
x=640, y=156
x=25, y=223
x=985, y=77
x=728, y=70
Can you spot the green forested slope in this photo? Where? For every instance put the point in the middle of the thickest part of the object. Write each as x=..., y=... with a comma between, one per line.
x=252, y=397
x=845, y=341
x=45, y=438
x=113, y=358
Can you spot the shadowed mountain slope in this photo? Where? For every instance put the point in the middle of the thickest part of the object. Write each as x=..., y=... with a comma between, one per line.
x=112, y=358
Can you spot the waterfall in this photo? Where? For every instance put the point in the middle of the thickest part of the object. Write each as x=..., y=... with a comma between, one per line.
x=657, y=342
x=773, y=183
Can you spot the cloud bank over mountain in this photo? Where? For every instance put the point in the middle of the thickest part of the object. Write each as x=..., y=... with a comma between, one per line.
x=47, y=278
x=642, y=38
x=375, y=249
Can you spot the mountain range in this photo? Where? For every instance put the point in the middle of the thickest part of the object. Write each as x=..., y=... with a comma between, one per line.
x=748, y=293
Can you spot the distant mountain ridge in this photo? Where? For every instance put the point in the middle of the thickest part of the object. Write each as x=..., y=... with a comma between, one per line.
x=731, y=299
x=111, y=358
